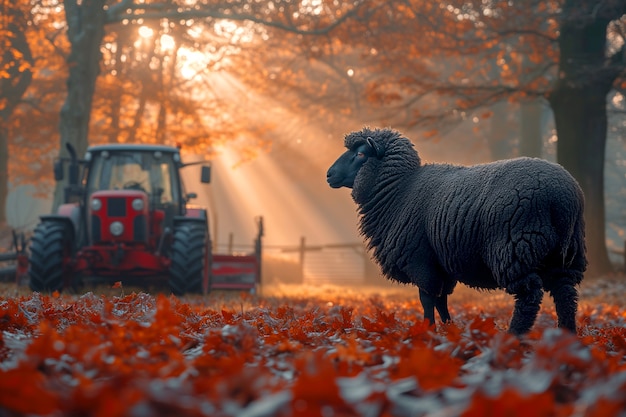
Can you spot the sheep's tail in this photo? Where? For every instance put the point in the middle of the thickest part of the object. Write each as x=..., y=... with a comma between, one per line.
x=574, y=249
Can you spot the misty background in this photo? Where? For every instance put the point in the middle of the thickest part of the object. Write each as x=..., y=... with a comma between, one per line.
x=267, y=90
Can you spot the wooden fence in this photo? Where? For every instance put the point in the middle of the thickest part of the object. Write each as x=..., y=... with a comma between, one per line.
x=335, y=263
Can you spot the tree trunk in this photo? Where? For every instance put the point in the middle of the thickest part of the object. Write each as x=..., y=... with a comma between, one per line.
x=12, y=89
x=85, y=21
x=115, y=129
x=578, y=101
x=581, y=123
x=499, y=134
x=139, y=113
x=4, y=173
x=531, y=135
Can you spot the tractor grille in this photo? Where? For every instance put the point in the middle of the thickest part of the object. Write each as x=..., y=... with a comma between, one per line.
x=116, y=207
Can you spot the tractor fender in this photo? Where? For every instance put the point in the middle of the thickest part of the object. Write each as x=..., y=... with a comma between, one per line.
x=69, y=214
x=200, y=218
x=71, y=211
x=195, y=213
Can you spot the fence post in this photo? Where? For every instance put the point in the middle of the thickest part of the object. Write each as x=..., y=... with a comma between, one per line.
x=258, y=248
x=302, y=252
x=230, y=243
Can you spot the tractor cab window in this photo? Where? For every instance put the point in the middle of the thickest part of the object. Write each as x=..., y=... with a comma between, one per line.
x=150, y=172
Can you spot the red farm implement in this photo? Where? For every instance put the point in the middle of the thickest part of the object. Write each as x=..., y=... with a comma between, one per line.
x=14, y=261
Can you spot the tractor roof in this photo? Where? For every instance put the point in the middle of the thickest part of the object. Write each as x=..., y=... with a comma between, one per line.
x=132, y=148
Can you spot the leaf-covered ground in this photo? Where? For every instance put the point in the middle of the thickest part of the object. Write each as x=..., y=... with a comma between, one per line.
x=306, y=352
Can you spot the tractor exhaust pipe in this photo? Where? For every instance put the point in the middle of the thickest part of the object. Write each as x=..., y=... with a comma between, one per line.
x=166, y=232
x=73, y=168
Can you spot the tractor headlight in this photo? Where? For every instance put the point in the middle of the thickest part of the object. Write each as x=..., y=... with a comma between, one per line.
x=137, y=204
x=116, y=228
x=96, y=204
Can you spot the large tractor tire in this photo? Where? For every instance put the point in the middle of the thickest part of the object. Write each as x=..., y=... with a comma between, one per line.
x=49, y=249
x=188, y=258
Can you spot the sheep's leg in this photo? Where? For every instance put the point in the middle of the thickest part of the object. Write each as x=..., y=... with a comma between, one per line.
x=565, y=298
x=528, y=294
x=441, y=303
x=428, y=303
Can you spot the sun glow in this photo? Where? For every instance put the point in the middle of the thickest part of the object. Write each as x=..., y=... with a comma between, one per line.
x=191, y=62
x=290, y=211
x=146, y=32
x=259, y=187
x=167, y=42
x=292, y=208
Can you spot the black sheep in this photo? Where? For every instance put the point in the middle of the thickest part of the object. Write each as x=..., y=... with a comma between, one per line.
x=514, y=224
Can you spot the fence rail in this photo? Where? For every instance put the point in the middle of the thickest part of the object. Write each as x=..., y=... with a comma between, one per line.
x=622, y=253
x=8, y=256
x=337, y=263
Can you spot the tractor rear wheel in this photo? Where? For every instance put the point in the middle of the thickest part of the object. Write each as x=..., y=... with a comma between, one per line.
x=188, y=258
x=49, y=248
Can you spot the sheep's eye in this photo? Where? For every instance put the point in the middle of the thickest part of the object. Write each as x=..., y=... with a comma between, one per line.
x=360, y=154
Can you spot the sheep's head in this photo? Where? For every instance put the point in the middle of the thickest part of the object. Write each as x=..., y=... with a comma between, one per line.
x=343, y=172
x=372, y=154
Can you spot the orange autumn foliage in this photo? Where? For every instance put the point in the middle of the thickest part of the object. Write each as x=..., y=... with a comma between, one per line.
x=432, y=369
x=511, y=403
x=226, y=355
x=22, y=390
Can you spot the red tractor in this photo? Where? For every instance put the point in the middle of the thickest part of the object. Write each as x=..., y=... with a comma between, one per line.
x=126, y=217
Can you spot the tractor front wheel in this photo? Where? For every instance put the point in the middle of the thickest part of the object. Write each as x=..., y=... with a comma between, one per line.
x=188, y=259
x=49, y=249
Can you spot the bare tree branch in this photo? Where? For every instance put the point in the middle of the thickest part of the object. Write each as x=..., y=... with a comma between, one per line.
x=170, y=11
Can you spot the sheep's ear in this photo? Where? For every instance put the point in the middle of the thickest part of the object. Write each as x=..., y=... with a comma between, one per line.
x=375, y=147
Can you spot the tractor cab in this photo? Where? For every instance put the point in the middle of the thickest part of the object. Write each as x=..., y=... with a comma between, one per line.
x=152, y=172
x=136, y=183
